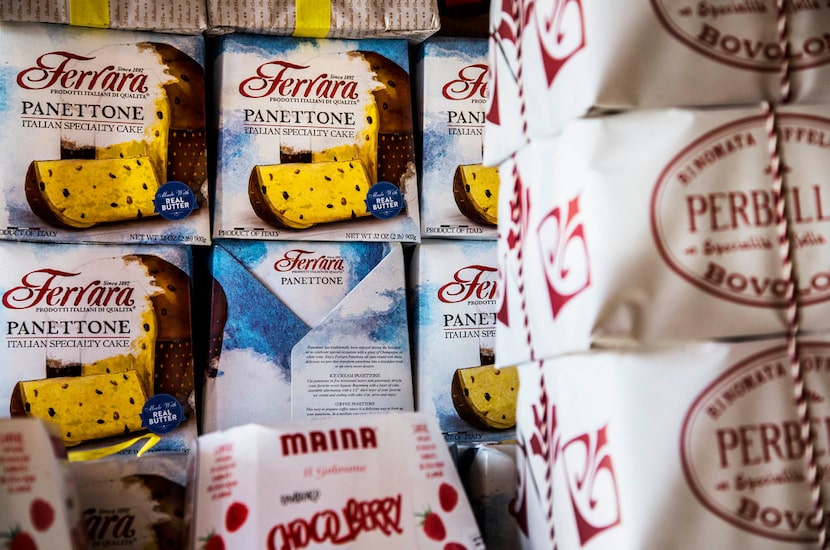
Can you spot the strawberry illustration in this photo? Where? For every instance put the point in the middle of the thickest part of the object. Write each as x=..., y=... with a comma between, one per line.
x=433, y=525
x=454, y=546
x=447, y=496
x=42, y=514
x=213, y=542
x=19, y=540
x=235, y=516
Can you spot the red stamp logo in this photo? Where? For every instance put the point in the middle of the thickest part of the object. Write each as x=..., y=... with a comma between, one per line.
x=564, y=254
x=556, y=28
x=743, y=34
x=713, y=211
x=741, y=448
x=585, y=461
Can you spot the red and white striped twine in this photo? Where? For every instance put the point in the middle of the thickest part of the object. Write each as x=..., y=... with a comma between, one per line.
x=786, y=246
x=516, y=205
x=785, y=241
x=516, y=218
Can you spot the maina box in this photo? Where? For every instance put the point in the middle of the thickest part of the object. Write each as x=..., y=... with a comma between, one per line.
x=306, y=330
x=104, y=136
x=363, y=482
x=176, y=16
x=576, y=58
x=459, y=195
x=315, y=140
x=38, y=495
x=391, y=19
x=685, y=446
x=453, y=287
x=97, y=339
x=661, y=225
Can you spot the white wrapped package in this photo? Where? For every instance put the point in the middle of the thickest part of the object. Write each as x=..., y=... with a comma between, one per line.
x=577, y=57
x=695, y=446
x=660, y=225
x=172, y=16
x=371, y=482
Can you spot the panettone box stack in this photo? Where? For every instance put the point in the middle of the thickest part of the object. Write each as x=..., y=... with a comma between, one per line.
x=453, y=277
x=662, y=287
x=98, y=342
x=105, y=196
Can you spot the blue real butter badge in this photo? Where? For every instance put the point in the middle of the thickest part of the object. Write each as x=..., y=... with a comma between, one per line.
x=174, y=200
x=162, y=413
x=384, y=200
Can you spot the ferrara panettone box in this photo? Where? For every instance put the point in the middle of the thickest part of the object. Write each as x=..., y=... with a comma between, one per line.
x=459, y=195
x=135, y=504
x=315, y=140
x=453, y=297
x=306, y=330
x=104, y=136
x=97, y=339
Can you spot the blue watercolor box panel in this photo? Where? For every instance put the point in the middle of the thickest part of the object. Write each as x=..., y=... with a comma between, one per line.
x=306, y=330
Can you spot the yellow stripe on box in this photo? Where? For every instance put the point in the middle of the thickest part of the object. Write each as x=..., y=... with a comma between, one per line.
x=95, y=454
x=89, y=13
x=313, y=18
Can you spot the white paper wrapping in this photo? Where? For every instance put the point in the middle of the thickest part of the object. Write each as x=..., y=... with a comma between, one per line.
x=577, y=56
x=694, y=446
x=408, y=19
x=659, y=225
x=175, y=16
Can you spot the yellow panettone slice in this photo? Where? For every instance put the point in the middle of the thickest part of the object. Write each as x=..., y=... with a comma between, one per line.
x=85, y=407
x=364, y=148
x=299, y=196
x=141, y=359
x=485, y=396
x=154, y=146
x=476, y=191
x=81, y=193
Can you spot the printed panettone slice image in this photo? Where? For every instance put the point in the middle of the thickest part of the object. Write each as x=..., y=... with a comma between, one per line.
x=475, y=188
x=485, y=396
x=114, y=333
x=151, y=132
x=328, y=175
